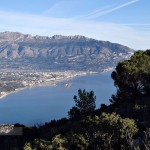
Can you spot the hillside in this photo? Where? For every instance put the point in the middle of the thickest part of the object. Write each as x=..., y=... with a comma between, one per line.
x=61, y=52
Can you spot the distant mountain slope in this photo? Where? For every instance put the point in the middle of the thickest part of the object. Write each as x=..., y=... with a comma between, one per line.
x=60, y=52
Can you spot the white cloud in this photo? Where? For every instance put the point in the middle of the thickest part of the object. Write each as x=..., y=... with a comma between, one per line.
x=41, y=25
x=67, y=8
x=102, y=12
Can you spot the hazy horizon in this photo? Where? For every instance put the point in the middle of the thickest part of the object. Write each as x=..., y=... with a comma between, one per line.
x=125, y=22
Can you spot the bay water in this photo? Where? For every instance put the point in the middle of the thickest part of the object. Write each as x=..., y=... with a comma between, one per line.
x=38, y=105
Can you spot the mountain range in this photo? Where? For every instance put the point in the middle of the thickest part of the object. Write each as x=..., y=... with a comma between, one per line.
x=59, y=52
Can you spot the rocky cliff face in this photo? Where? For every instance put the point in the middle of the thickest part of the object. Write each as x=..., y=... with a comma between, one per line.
x=61, y=52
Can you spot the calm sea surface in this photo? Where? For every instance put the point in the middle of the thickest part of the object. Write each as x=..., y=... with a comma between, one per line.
x=42, y=104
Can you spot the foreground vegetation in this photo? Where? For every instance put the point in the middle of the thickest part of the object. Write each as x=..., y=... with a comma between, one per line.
x=123, y=125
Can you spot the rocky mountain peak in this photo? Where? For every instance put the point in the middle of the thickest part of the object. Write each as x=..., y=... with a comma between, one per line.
x=62, y=51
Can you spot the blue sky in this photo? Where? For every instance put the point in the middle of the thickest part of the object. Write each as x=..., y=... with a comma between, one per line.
x=120, y=21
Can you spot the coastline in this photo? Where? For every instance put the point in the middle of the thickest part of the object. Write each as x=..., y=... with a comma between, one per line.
x=51, y=83
x=12, y=92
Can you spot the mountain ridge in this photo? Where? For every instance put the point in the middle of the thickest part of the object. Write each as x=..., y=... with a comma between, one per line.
x=68, y=52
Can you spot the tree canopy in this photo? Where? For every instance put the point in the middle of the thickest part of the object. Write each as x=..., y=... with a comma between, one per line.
x=84, y=103
x=92, y=133
x=132, y=77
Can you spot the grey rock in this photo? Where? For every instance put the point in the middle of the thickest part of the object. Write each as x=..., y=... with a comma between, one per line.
x=61, y=52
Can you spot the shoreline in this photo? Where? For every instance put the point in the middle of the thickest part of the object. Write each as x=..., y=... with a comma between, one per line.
x=54, y=83
x=12, y=92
